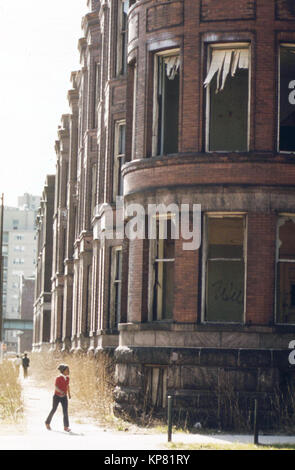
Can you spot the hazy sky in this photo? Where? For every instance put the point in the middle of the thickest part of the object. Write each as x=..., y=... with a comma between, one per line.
x=38, y=50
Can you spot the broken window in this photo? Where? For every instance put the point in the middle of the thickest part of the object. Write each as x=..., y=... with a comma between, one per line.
x=163, y=256
x=123, y=6
x=166, y=103
x=286, y=270
x=116, y=283
x=287, y=99
x=227, y=84
x=155, y=387
x=119, y=158
x=225, y=269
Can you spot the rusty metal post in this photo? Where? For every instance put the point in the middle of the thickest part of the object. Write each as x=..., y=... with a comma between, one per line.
x=169, y=418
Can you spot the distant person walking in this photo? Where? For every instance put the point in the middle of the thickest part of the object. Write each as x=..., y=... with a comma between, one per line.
x=25, y=364
x=61, y=394
x=17, y=362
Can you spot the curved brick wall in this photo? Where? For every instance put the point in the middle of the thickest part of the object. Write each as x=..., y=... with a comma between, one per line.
x=259, y=182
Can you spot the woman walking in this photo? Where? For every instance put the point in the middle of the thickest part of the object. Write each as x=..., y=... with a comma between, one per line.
x=61, y=394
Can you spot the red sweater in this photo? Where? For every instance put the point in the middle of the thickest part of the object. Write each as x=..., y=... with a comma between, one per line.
x=61, y=385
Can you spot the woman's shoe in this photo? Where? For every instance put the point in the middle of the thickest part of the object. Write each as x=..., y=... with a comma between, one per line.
x=48, y=426
x=67, y=429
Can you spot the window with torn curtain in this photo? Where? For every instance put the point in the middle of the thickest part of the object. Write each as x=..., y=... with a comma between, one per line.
x=227, y=103
x=286, y=135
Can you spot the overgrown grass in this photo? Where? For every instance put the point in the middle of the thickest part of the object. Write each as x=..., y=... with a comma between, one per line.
x=11, y=402
x=90, y=382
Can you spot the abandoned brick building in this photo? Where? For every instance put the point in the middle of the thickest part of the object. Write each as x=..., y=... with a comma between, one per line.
x=180, y=102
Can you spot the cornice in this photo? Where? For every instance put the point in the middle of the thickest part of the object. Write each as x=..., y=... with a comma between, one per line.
x=82, y=44
x=89, y=20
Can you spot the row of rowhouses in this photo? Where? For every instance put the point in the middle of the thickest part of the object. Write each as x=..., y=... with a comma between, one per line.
x=188, y=104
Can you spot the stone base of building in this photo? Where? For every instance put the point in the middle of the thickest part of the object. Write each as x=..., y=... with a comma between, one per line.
x=212, y=386
x=43, y=348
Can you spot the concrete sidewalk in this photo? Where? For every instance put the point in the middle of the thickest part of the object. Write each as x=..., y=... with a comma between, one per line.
x=34, y=435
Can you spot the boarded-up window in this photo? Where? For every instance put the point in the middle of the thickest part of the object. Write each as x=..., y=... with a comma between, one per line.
x=286, y=271
x=225, y=269
x=166, y=104
x=163, y=271
x=155, y=386
x=227, y=82
x=287, y=99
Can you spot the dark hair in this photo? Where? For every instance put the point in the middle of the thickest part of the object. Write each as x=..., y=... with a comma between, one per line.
x=62, y=367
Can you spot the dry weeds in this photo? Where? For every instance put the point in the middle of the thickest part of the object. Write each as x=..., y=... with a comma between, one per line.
x=11, y=402
x=90, y=381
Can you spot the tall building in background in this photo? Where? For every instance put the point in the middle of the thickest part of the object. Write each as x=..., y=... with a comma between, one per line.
x=180, y=102
x=28, y=202
x=19, y=261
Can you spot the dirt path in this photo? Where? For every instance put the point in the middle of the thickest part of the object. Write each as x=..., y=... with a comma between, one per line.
x=33, y=435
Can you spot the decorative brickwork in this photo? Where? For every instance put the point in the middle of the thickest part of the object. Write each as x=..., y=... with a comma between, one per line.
x=285, y=10
x=214, y=10
x=165, y=15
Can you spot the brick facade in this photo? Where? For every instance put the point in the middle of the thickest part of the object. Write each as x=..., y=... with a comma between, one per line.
x=254, y=185
x=42, y=305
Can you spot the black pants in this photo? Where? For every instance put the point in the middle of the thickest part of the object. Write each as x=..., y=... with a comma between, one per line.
x=64, y=404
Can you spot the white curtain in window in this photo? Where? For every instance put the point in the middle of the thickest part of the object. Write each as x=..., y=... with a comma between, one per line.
x=226, y=61
x=172, y=66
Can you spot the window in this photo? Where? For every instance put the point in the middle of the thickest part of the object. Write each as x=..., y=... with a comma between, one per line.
x=93, y=190
x=15, y=223
x=285, y=292
x=96, y=93
x=155, y=386
x=119, y=158
x=162, y=259
x=123, y=6
x=88, y=299
x=134, y=92
x=224, y=269
x=19, y=248
x=227, y=110
x=287, y=99
x=166, y=103
x=116, y=286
